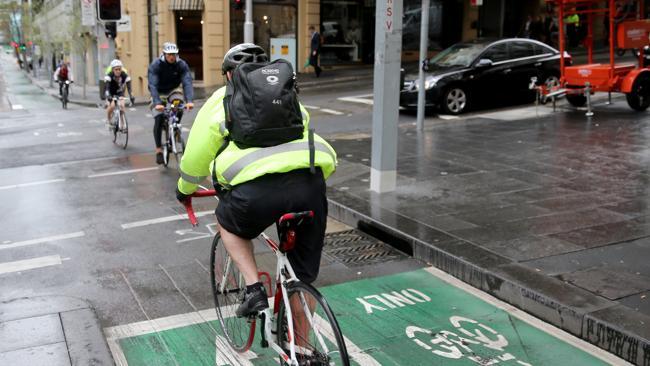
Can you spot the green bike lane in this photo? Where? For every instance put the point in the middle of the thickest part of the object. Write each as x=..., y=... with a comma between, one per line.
x=423, y=317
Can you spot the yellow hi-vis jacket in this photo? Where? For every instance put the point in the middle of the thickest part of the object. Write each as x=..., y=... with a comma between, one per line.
x=234, y=166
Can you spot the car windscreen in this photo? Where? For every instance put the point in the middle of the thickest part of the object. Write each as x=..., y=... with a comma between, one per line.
x=457, y=55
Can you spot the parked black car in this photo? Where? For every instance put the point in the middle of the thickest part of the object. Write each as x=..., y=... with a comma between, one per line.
x=482, y=71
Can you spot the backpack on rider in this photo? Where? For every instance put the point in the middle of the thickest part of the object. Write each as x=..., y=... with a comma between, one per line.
x=261, y=104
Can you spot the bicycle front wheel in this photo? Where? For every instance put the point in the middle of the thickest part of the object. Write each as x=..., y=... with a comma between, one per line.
x=227, y=285
x=179, y=146
x=121, y=131
x=64, y=97
x=318, y=338
x=165, y=146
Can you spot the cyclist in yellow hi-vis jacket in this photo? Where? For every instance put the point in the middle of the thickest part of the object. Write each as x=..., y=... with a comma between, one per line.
x=259, y=185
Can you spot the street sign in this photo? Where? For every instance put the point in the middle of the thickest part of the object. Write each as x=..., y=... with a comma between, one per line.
x=88, y=13
x=124, y=24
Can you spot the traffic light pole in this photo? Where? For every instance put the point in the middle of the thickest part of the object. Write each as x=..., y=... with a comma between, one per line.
x=248, y=24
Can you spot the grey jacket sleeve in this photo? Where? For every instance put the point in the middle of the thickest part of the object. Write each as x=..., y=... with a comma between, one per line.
x=152, y=75
x=188, y=90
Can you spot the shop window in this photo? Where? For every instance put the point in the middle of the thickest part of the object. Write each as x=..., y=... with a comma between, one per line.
x=342, y=31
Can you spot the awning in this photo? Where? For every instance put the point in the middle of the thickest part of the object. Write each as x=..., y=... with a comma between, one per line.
x=186, y=5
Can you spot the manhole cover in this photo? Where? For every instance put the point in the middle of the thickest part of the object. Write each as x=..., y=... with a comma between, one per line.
x=353, y=248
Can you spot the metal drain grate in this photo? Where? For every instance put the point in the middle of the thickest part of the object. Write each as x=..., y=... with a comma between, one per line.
x=353, y=248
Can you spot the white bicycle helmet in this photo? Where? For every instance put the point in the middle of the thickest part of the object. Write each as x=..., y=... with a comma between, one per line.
x=169, y=47
x=116, y=63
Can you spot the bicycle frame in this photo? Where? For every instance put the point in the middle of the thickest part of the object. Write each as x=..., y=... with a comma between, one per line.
x=284, y=276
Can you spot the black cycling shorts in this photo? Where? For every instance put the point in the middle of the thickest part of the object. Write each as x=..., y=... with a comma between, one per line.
x=251, y=207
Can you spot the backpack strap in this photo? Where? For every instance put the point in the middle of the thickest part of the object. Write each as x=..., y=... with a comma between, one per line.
x=312, y=151
x=215, y=180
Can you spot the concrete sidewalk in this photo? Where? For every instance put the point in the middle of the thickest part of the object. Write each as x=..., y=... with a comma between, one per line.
x=51, y=331
x=550, y=214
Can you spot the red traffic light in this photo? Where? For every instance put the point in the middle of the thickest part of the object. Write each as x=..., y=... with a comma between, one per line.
x=238, y=4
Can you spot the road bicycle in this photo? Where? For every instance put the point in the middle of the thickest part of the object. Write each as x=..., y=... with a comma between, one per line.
x=118, y=123
x=172, y=133
x=299, y=326
x=65, y=92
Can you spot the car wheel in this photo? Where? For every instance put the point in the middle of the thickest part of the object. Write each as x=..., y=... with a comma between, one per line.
x=639, y=97
x=576, y=100
x=454, y=100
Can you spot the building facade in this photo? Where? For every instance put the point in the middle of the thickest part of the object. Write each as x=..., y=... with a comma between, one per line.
x=205, y=29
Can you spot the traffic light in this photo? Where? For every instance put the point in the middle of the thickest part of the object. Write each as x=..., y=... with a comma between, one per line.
x=110, y=10
x=22, y=47
x=111, y=29
x=238, y=4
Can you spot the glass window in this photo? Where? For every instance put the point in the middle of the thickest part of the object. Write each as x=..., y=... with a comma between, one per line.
x=541, y=50
x=341, y=31
x=459, y=54
x=411, y=25
x=497, y=53
x=521, y=49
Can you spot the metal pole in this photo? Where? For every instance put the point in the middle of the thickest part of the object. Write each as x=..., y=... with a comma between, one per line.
x=248, y=24
x=385, y=110
x=424, y=38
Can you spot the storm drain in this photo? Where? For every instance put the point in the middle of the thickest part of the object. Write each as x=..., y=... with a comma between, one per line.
x=353, y=248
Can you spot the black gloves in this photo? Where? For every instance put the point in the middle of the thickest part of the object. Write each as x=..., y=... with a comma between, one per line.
x=182, y=197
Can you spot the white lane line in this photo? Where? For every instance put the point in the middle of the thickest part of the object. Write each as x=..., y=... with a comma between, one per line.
x=120, y=172
x=331, y=111
x=363, y=99
x=27, y=264
x=310, y=106
x=447, y=117
x=17, y=106
x=32, y=184
x=523, y=316
x=17, y=244
x=68, y=134
x=160, y=220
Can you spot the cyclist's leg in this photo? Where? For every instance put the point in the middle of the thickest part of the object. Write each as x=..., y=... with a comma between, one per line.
x=60, y=87
x=241, y=252
x=109, y=111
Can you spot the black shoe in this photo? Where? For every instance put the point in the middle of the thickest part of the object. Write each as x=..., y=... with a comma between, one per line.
x=159, y=158
x=254, y=300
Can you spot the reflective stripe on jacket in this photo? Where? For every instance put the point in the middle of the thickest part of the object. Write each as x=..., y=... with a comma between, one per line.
x=234, y=165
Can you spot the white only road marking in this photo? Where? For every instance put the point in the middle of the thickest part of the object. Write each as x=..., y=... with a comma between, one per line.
x=363, y=99
x=331, y=111
x=17, y=244
x=32, y=184
x=17, y=106
x=160, y=220
x=27, y=264
x=525, y=317
x=120, y=172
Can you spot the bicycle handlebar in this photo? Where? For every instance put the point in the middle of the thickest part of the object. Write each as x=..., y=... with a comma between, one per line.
x=188, y=204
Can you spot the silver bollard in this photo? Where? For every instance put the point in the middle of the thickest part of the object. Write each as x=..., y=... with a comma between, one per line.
x=588, y=95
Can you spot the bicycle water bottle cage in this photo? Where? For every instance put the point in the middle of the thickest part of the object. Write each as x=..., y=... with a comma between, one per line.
x=287, y=225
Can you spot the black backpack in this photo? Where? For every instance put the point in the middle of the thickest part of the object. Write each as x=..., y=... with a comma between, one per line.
x=261, y=105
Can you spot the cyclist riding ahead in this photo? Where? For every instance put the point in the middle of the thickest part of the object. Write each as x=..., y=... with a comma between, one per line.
x=168, y=74
x=62, y=74
x=115, y=81
x=264, y=164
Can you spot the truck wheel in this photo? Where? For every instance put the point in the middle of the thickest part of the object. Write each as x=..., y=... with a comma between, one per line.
x=576, y=100
x=639, y=97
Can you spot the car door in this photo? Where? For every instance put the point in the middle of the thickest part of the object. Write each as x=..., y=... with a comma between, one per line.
x=525, y=64
x=491, y=81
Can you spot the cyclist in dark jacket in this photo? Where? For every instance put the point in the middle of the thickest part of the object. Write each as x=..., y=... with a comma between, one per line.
x=168, y=75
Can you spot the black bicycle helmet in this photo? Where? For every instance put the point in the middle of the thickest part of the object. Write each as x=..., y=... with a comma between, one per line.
x=241, y=53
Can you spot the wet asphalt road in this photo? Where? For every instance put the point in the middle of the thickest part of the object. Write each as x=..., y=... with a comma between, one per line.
x=84, y=218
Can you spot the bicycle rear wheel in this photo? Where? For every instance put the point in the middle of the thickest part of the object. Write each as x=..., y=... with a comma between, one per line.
x=318, y=337
x=227, y=285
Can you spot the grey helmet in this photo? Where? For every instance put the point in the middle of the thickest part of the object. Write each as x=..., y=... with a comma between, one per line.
x=169, y=47
x=241, y=53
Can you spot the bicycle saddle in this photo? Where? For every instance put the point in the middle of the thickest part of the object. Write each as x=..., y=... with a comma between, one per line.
x=287, y=225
